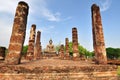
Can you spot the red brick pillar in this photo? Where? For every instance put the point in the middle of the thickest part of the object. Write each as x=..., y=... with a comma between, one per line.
x=18, y=34
x=37, y=52
x=30, y=51
x=67, y=56
x=98, y=36
x=75, y=44
x=61, y=52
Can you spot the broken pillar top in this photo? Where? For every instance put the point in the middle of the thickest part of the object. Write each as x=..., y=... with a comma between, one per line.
x=38, y=31
x=23, y=3
x=33, y=26
x=74, y=28
x=66, y=39
x=94, y=7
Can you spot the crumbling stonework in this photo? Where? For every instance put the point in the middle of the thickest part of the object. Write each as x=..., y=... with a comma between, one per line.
x=61, y=52
x=30, y=51
x=2, y=52
x=18, y=34
x=98, y=37
x=75, y=44
x=37, y=51
x=67, y=56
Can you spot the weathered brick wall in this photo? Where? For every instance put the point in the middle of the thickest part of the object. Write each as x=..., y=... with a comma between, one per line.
x=2, y=52
x=96, y=72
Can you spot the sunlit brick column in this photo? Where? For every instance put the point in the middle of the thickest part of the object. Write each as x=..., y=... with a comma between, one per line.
x=18, y=34
x=37, y=51
x=31, y=44
x=67, y=56
x=61, y=52
x=75, y=44
x=98, y=36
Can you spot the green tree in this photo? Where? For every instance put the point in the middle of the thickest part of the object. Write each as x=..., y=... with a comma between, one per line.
x=70, y=48
x=83, y=51
x=113, y=53
x=24, y=51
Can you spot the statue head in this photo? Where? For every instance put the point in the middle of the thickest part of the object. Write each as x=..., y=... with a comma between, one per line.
x=50, y=42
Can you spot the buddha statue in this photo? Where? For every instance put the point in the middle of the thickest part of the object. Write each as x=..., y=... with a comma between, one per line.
x=50, y=47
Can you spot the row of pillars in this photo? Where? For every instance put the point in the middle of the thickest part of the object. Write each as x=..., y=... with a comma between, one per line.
x=76, y=54
x=34, y=49
x=19, y=30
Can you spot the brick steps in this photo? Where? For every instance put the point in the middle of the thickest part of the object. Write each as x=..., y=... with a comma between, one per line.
x=60, y=76
x=57, y=69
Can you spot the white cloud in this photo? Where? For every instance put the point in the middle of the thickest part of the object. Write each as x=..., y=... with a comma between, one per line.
x=5, y=32
x=40, y=8
x=46, y=29
x=67, y=18
x=37, y=9
x=105, y=4
x=49, y=15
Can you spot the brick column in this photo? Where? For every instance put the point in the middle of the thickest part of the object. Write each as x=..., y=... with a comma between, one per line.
x=98, y=36
x=37, y=52
x=67, y=56
x=75, y=44
x=18, y=34
x=61, y=52
x=2, y=52
x=30, y=51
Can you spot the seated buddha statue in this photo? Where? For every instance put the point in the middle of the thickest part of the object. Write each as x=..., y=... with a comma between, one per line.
x=50, y=47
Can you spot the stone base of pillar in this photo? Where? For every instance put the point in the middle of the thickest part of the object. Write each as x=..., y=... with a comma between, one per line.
x=102, y=62
x=67, y=57
x=76, y=56
x=29, y=57
x=12, y=61
x=61, y=56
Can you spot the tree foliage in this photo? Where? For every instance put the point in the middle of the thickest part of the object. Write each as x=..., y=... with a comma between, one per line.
x=24, y=51
x=113, y=53
x=82, y=51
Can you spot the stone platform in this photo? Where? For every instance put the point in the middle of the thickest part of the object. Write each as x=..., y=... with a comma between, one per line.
x=49, y=55
x=56, y=69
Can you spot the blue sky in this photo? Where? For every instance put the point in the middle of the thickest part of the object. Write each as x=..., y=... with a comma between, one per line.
x=56, y=18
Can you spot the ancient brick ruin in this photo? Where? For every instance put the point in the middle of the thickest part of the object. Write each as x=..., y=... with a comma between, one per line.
x=31, y=44
x=2, y=52
x=61, y=52
x=37, y=50
x=75, y=44
x=18, y=34
x=67, y=56
x=98, y=37
x=51, y=66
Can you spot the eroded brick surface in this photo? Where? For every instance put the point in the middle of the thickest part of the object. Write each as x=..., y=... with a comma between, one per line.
x=55, y=68
x=67, y=56
x=18, y=34
x=30, y=51
x=38, y=50
x=75, y=44
x=98, y=37
x=2, y=52
x=61, y=52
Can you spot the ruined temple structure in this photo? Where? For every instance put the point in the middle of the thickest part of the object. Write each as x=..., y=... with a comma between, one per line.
x=37, y=49
x=18, y=34
x=61, y=52
x=2, y=52
x=30, y=51
x=67, y=56
x=50, y=47
x=50, y=50
x=98, y=37
x=75, y=44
